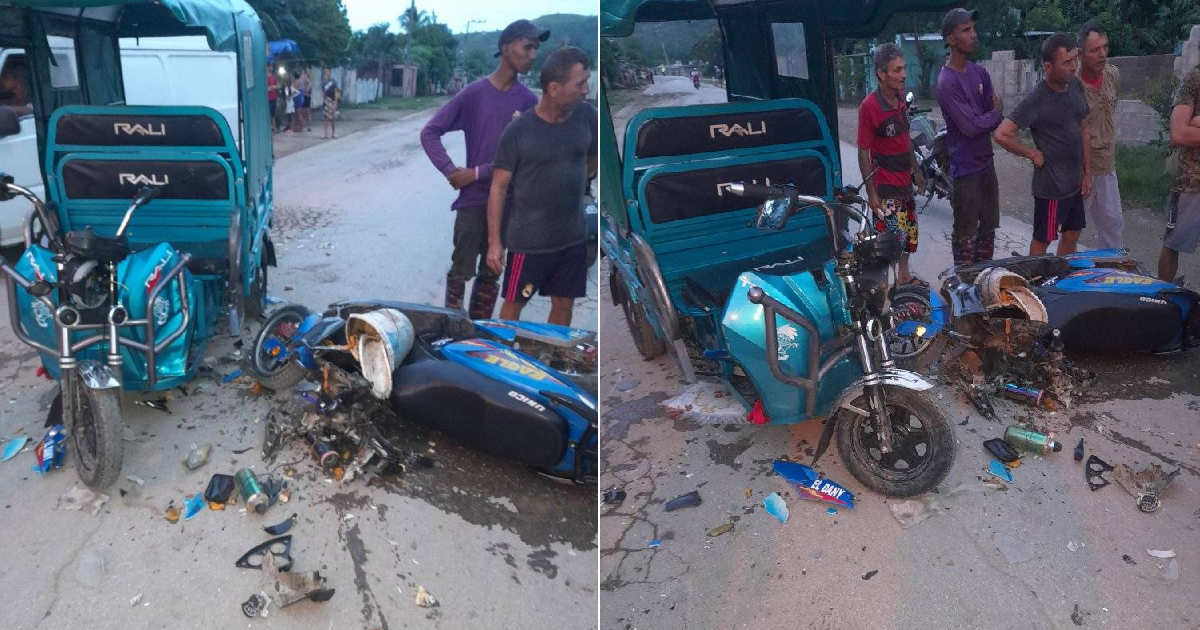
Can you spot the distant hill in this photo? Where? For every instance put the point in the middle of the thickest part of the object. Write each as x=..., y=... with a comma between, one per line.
x=565, y=29
x=677, y=37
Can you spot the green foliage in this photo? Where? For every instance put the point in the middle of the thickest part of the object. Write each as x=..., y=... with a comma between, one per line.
x=476, y=64
x=565, y=30
x=1162, y=99
x=710, y=50
x=319, y=27
x=1141, y=176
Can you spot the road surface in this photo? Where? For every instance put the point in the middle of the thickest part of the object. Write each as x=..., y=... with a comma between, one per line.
x=1076, y=550
x=365, y=215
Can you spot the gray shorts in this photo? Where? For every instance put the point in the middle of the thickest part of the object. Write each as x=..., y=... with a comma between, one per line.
x=1183, y=222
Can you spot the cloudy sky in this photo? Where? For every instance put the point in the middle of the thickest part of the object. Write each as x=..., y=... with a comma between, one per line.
x=456, y=13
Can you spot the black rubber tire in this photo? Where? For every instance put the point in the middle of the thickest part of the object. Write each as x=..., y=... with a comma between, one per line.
x=98, y=464
x=921, y=355
x=859, y=461
x=290, y=373
x=256, y=303
x=648, y=343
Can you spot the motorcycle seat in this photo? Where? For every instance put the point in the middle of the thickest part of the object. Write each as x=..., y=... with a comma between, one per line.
x=92, y=246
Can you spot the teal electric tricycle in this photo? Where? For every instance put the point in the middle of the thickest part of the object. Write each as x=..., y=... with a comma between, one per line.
x=156, y=220
x=733, y=246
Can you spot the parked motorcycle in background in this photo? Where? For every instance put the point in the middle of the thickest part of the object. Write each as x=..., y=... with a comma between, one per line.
x=933, y=154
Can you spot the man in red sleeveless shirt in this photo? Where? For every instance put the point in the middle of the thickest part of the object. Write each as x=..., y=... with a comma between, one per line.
x=884, y=147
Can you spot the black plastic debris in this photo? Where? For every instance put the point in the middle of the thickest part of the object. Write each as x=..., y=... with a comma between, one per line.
x=1128, y=560
x=691, y=499
x=253, y=606
x=1002, y=450
x=1093, y=473
x=159, y=404
x=278, y=547
x=613, y=496
x=1079, y=450
x=281, y=528
x=220, y=488
x=870, y=574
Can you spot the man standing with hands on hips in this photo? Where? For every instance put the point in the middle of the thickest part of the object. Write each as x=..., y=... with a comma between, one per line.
x=972, y=111
x=482, y=111
x=1056, y=112
x=548, y=154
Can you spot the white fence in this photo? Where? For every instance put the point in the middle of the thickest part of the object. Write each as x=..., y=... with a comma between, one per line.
x=354, y=90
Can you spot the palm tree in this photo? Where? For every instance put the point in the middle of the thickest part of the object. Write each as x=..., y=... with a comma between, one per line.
x=413, y=19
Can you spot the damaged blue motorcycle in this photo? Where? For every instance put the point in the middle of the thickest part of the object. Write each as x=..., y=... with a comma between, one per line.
x=522, y=391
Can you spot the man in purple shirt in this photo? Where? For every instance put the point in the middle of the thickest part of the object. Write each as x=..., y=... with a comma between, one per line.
x=482, y=110
x=972, y=110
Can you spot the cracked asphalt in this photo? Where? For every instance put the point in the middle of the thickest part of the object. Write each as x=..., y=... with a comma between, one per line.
x=1079, y=557
x=365, y=215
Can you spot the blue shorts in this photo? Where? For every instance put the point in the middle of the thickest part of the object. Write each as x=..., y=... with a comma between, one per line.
x=561, y=273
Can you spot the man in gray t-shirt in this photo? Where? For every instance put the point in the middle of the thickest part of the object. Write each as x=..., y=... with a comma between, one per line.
x=1055, y=112
x=548, y=155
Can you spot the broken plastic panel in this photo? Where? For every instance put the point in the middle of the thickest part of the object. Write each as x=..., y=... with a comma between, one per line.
x=278, y=547
x=776, y=507
x=813, y=486
x=281, y=528
x=1093, y=473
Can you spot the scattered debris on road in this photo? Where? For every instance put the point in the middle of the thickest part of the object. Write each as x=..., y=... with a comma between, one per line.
x=424, y=599
x=1093, y=473
x=198, y=456
x=14, y=446
x=654, y=544
x=158, y=404
x=1145, y=485
x=691, y=499
x=1000, y=471
x=1031, y=440
x=813, y=486
x=612, y=496
x=870, y=574
x=718, y=530
x=280, y=547
x=775, y=506
x=281, y=528
x=1002, y=450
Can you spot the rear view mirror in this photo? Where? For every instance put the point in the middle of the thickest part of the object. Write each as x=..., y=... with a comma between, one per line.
x=773, y=213
x=10, y=124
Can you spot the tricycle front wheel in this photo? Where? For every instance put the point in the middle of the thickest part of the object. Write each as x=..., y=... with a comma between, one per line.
x=96, y=438
x=923, y=444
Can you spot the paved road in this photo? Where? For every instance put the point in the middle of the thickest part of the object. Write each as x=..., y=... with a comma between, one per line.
x=861, y=569
x=362, y=216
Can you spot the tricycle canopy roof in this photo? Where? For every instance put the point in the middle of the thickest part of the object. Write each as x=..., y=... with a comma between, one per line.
x=150, y=18
x=842, y=18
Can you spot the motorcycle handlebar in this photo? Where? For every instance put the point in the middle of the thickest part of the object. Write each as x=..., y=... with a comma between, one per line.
x=759, y=191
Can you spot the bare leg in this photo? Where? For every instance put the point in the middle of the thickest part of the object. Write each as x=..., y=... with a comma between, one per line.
x=1168, y=264
x=511, y=310
x=1037, y=248
x=560, y=310
x=903, y=276
x=1067, y=242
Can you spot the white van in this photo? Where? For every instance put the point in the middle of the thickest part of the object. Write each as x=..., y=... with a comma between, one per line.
x=157, y=71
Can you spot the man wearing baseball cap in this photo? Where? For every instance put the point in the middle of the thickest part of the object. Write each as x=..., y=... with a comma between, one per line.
x=972, y=111
x=482, y=111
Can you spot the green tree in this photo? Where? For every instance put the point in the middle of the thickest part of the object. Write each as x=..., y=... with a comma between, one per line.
x=412, y=20
x=319, y=27
x=710, y=50
x=476, y=64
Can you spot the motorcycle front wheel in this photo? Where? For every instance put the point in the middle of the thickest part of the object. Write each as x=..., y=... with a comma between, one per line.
x=265, y=365
x=911, y=303
x=96, y=438
x=923, y=444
